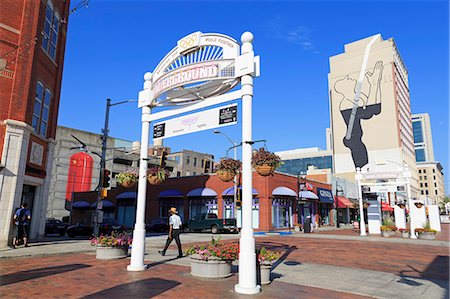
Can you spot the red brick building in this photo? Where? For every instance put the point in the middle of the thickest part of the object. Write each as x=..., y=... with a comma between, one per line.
x=32, y=46
x=276, y=201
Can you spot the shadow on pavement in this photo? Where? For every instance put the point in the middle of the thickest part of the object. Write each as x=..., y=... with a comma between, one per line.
x=37, y=273
x=146, y=288
x=436, y=272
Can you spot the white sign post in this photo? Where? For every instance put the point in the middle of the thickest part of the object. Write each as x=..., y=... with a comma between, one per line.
x=200, y=72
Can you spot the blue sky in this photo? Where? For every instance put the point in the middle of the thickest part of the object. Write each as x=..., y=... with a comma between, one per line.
x=111, y=44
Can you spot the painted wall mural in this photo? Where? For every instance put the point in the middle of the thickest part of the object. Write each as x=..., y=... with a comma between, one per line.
x=357, y=106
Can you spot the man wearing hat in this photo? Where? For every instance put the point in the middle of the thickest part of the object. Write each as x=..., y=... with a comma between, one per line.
x=174, y=232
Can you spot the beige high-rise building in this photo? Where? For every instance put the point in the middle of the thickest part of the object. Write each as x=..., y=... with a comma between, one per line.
x=431, y=182
x=423, y=139
x=370, y=107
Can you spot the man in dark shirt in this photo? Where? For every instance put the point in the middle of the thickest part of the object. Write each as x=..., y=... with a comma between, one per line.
x=22, y=219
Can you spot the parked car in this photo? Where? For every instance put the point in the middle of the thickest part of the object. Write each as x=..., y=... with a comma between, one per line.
x=160, y=225
x=210, y=221
x=55, y=226
x=108, y=226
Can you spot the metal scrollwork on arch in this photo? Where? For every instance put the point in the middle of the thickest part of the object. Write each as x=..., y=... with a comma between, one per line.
x=199, y=67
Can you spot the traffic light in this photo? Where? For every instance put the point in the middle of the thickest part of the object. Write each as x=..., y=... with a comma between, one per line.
x=239, y=198
x=163, y=159
x=106, y=178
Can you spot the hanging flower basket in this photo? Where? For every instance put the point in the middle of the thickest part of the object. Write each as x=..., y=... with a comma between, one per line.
x=227, y=169
x=127, y=179
x=225, y=176
x=156, y=175
x=265, y=170
x=265, y=162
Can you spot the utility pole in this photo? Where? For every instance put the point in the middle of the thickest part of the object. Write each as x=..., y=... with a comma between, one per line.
x=102, y=168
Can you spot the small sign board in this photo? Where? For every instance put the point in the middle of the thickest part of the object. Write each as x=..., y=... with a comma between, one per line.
x=195, y=122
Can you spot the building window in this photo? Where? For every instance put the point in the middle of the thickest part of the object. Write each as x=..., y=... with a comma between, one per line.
x=435, y=185
x=426, y=192
x=41, y=109
x=426, y=185
x=420, y=177
x=435, y=192
x=194, y=173
x=417, y=131
x=203, y=163
x=421, y=185
x=434, y=171
x=195, y=162
x=421, y=192
x=424, y=177
x=50, y=32
x=420, y=155
x=188, y=160
x=434, y=177
x=420, y=170
x=424, y=171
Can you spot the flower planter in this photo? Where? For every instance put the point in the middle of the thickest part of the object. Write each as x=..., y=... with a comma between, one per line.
x=387, y=233
x=128, y=184
x=405, y=235
x=212, y=268
x=427, y=236
x=297, y=228
x=153, y=180
x=226, y=176
x=264, y=170
x=110, y=253
x=264, y=271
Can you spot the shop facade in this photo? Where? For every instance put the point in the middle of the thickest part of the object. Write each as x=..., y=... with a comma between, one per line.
x=276, y=201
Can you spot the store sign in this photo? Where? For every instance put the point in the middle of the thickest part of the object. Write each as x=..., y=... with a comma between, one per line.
x=325, y=195
x=205, y=120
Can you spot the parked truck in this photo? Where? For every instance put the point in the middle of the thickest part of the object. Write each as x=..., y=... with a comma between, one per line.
x=210, y=221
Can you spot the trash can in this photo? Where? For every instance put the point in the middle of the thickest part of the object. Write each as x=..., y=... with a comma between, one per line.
x=307, y=227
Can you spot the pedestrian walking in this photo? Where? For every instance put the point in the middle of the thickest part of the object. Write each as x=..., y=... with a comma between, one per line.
x=174, y=232
x=22, y=219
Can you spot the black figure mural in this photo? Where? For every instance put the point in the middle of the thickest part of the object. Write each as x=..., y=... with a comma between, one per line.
x=354, y=109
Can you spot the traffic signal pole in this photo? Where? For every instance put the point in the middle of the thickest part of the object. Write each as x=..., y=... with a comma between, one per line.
x=102, y=168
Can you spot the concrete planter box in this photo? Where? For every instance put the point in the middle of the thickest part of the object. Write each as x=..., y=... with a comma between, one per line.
x=387, y=233
x=264, y=272
x=427, y=236
x=297, y=228
x=212, y=268
x=110, y=253
x=405, y=235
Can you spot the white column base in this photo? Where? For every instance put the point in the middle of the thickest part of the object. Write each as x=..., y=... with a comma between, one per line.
x=136, y=268
x=247, y=291
x=363, y=234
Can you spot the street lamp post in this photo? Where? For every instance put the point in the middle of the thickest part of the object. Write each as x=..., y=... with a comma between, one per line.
x=337, y=203
x=234, y=143
x=103, y=160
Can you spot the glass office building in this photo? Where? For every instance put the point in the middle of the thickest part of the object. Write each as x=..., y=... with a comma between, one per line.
x=300, y=165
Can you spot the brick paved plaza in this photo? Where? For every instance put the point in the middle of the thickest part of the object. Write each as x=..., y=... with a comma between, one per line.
x=310, y=267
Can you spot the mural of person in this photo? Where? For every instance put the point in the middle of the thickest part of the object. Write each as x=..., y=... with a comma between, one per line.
x=363, y=107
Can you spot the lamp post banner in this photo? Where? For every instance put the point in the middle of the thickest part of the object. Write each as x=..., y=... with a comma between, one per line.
x=195, y=122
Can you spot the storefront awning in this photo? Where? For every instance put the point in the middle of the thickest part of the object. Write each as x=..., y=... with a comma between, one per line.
x=386, y=207
x=344, y=202
x=306, y=194
x=325, y=195
x=201, y=192
x=106, y=204
x=127, y=195
x=283, y=191
x=81, y=205
x=230, y=191
x=171, y=193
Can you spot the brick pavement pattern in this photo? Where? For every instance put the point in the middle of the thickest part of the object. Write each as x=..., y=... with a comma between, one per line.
x=82, y=276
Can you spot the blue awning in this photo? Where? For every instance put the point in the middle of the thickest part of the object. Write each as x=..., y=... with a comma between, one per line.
x=325, y=195
x=81, y=205
x=171, y=193
x=230, y=191
x=127, y=195
x=201, y=192
x=306, y=194
x=106, y=204
x=284, y=191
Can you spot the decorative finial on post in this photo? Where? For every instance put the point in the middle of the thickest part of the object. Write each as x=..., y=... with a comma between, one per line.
x=148, y=80
x=247, y=39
